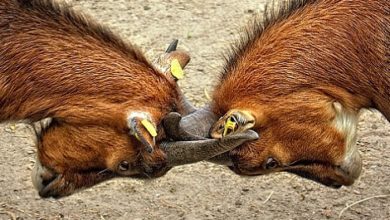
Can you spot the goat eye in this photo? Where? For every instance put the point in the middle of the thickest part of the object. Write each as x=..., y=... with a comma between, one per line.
x=124, y=165
x=271, y=163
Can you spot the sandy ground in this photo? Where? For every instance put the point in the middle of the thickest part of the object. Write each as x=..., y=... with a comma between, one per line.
x=203, y=190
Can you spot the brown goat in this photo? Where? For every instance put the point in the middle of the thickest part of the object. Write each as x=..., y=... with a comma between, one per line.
x=299, y=78
x=56, y=63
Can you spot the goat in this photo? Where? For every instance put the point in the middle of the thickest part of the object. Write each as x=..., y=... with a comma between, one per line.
x=299, y=77
x=71, y=158
x=105, y=99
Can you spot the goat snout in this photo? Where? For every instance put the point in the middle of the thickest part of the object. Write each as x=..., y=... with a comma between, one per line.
x=41, y=176
x=351, y=166
x=42, y=179
x=154, y=170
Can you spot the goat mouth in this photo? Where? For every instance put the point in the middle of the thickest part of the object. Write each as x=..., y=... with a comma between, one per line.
x=151, y=175
x=248, y=171
x=42, y=176
x=321, y=172
x=308, y=163
x=150, y=171
x=329, y=182
x=332, y=176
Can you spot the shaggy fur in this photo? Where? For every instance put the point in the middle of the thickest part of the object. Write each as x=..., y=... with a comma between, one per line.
x=62, y=14
x=289, y=69
x=257, y=27
x=55, y=62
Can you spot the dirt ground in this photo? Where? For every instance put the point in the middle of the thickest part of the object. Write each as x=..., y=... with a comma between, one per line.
x=202, y=190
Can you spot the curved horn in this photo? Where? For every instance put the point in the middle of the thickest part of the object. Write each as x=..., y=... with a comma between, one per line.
x=185, y=152
x=188, y=108
x=191, y=144
x=222, y=159
x=195, y=126
x=172, y=46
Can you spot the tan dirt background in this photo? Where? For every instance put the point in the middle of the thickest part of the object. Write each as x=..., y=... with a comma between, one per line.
x=202, y=190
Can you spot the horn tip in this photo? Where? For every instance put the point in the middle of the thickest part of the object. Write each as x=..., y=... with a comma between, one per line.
x=172, y=46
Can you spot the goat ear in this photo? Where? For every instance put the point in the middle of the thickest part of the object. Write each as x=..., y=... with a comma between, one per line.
x=142, y=127
x=172, y=62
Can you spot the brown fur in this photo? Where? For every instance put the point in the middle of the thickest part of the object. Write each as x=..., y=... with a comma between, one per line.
x=87, y=155
x=288, y=72
x=47, y=48
x=57, y=63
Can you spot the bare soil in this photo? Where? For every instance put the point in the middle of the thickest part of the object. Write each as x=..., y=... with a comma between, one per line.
x=202, y=190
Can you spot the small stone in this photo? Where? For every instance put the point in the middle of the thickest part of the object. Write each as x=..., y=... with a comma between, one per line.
x=146, y=7
x=9, y=130
x=12, y=127
x=327, y=213
x=30, y=167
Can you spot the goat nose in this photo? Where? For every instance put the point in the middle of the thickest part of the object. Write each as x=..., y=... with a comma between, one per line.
x=41, y=176
x=351, y=166
x=235, y=168
x=155, y=170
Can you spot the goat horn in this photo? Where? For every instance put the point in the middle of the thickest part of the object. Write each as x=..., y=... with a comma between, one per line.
x=172, y=47
x=188, y=107
x=190, y=143
x=222, y=159
x=194, y=126
x=185, y=152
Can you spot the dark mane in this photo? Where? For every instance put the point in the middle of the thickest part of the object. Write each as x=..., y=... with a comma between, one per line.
x=258, y=26
x=62, y=12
